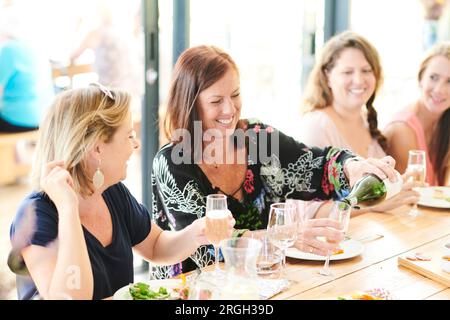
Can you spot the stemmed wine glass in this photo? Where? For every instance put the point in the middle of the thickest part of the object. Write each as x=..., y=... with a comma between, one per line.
x=417, y=167
x=341, y=213
x=217, y=214
x=282, y=227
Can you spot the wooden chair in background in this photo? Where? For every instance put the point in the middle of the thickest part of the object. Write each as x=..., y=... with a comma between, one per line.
x=10, y=168
x=68, y=74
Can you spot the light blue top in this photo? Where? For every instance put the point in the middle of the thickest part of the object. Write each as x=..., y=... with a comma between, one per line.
x=26, y=82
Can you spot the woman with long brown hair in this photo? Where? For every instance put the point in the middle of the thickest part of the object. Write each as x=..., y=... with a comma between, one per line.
x=262, y=167
x=425, y=123
x=338, y=108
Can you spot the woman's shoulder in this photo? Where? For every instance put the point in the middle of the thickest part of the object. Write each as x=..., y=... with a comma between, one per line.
x=173, y=158
x=254, y=124
x=165, y=151
x=400, y=126
x=404, y=115
x=34, y=206
x=318, y=129
x=316, y=118
x=38, y=200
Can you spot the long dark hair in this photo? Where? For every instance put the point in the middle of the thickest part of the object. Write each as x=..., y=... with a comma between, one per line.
x=440, y=144
x=317, y=93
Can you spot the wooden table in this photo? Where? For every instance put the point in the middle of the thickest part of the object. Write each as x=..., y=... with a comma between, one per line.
x=377, y=266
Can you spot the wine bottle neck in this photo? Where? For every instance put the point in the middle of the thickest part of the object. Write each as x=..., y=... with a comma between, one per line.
x=353, y=201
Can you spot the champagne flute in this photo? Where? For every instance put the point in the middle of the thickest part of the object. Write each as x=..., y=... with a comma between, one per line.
x=217, y=214
x=282, y=227
x=341, y=213
x=417, y=166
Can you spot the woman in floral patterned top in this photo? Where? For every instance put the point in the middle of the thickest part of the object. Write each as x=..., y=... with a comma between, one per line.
x=214, y=151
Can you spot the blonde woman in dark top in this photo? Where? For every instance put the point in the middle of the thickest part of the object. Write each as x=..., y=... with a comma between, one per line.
x=75, y=233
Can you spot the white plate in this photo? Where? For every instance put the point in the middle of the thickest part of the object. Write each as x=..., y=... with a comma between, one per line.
x=352, y=248
x=124, y=293
x=427, y=199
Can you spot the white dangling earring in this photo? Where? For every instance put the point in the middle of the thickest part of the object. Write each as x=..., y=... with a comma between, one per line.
x=98, y=178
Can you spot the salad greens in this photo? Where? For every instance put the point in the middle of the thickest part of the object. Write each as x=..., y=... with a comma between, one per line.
x=142, y=291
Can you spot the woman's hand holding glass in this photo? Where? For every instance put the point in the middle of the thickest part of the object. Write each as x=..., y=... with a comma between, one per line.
x=311, y=230
x=217, y=223
x=199, y=229
x=340, y=213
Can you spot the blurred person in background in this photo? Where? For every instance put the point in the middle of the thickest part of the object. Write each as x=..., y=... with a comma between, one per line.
x=26, y=87
x=117, y=43
x=436, y=22
x=338, y=110
x=425, y=124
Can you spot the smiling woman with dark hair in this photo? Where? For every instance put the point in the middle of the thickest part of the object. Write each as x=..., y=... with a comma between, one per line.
x=262, y=167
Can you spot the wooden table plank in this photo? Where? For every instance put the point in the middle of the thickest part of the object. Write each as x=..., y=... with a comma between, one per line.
x=403, y=283
x=431, y=269
x=442, y=295
x=401, y=232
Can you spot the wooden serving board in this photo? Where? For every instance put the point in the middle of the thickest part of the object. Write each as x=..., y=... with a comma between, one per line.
x=430, y=269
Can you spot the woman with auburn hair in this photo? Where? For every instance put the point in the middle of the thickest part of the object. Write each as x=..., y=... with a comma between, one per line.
x=264, y=165
x=75, y=233
x=424, y=124
x=338, y=109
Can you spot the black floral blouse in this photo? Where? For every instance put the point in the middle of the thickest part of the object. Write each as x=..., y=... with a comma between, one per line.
x=295, y=171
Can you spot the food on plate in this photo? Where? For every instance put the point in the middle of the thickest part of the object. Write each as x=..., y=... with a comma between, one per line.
x=339, y=251
x=145, y=291
x=446, y=258
x=372, y=294
x=418, y=257
x=440, y=194
x=142, y=291
x=183, y=291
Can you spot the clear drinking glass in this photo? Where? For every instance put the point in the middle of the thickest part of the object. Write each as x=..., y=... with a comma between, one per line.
x=270, y=260
x=217, y=214
x=282, y=227
x=340, y=212
x=417, y=166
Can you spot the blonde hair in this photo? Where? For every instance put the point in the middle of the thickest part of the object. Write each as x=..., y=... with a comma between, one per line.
x=77, y=119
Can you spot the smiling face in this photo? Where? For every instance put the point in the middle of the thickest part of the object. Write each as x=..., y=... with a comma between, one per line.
x=115, y=154
x=219, y=105
x=351, y=80
x=435, y=85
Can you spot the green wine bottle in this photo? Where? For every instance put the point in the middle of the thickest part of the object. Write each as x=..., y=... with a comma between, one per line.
x=371, y=190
